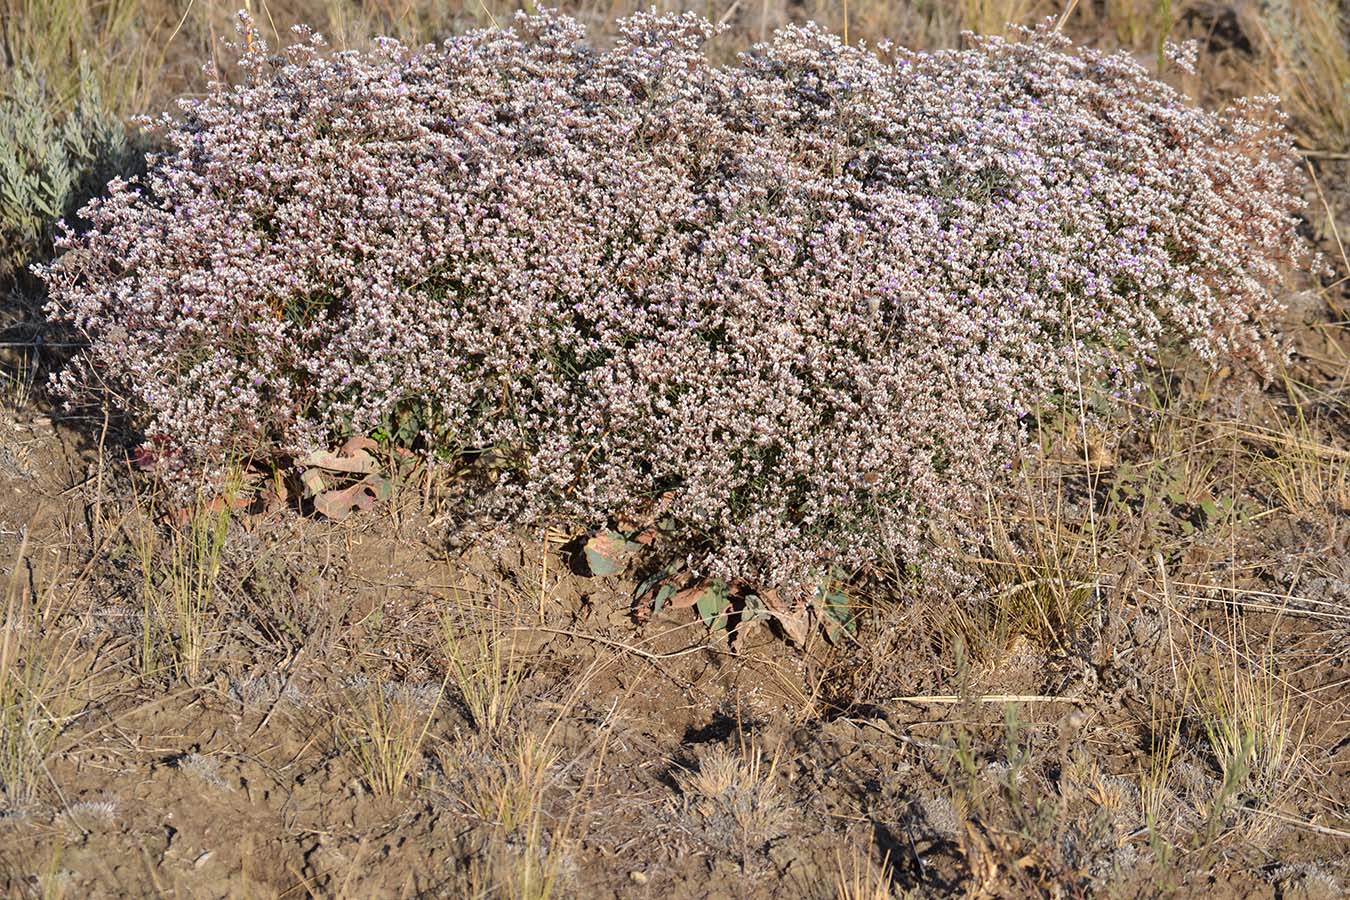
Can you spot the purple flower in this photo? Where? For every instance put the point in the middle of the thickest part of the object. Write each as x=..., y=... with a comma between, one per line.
x=559, y=272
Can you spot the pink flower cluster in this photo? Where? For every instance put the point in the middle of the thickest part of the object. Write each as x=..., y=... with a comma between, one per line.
x=808, y=300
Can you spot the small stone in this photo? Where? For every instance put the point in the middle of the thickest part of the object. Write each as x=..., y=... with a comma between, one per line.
x=638, y=877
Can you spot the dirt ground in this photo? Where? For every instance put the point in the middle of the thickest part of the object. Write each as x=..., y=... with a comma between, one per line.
x=374, y=713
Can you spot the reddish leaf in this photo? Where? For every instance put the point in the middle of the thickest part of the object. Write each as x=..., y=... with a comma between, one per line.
x=338, y=505
x=144, y=458
x=687, y=597
x=354, y=457
x=314, y=482
x=795, y=621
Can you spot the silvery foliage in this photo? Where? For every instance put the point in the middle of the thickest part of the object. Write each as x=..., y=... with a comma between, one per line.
x=52, y=163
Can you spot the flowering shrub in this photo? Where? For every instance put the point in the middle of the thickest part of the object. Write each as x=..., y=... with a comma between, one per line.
x=802, y=306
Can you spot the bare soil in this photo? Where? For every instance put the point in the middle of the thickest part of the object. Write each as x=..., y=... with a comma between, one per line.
x=667, y=762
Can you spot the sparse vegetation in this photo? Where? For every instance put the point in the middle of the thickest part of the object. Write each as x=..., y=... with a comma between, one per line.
x=180, y=551
x=858, y=878
x=385, y=728
x=1123, y=674
x=1253, y=731
x=1304, y=48
x=730, y=800
x=485, y=668
x=34, y=690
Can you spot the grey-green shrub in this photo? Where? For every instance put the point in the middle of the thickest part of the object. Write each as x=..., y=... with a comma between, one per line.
x=52, y=161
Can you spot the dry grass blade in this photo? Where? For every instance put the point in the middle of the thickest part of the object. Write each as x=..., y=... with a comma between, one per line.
x=956, y=699
x=1254, y=732
x=485, y=665
x=860, y=878
x=732, y=800
x=1305, y=49
x=385, y=729
x=180, y=555
x=40, y=661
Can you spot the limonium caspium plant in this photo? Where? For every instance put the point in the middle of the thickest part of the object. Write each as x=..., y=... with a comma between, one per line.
x=805, y=304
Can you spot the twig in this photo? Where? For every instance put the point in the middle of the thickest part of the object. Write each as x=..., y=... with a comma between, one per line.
x=890, y=732
x=1290, y=820
x=1253, y=592
x=281, y=692
x=1064, y=16
x=731, y=11
x=619, y=645
x=1264, y=607
x=1321, y=154
x=986, y=698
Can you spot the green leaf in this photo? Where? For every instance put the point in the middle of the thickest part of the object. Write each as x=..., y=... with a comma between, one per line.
x=712, y=603
x=383, y=487
x=608, y=553
x=667, y=591
x=840, y=617
x=754, y=609
x=648, y=583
